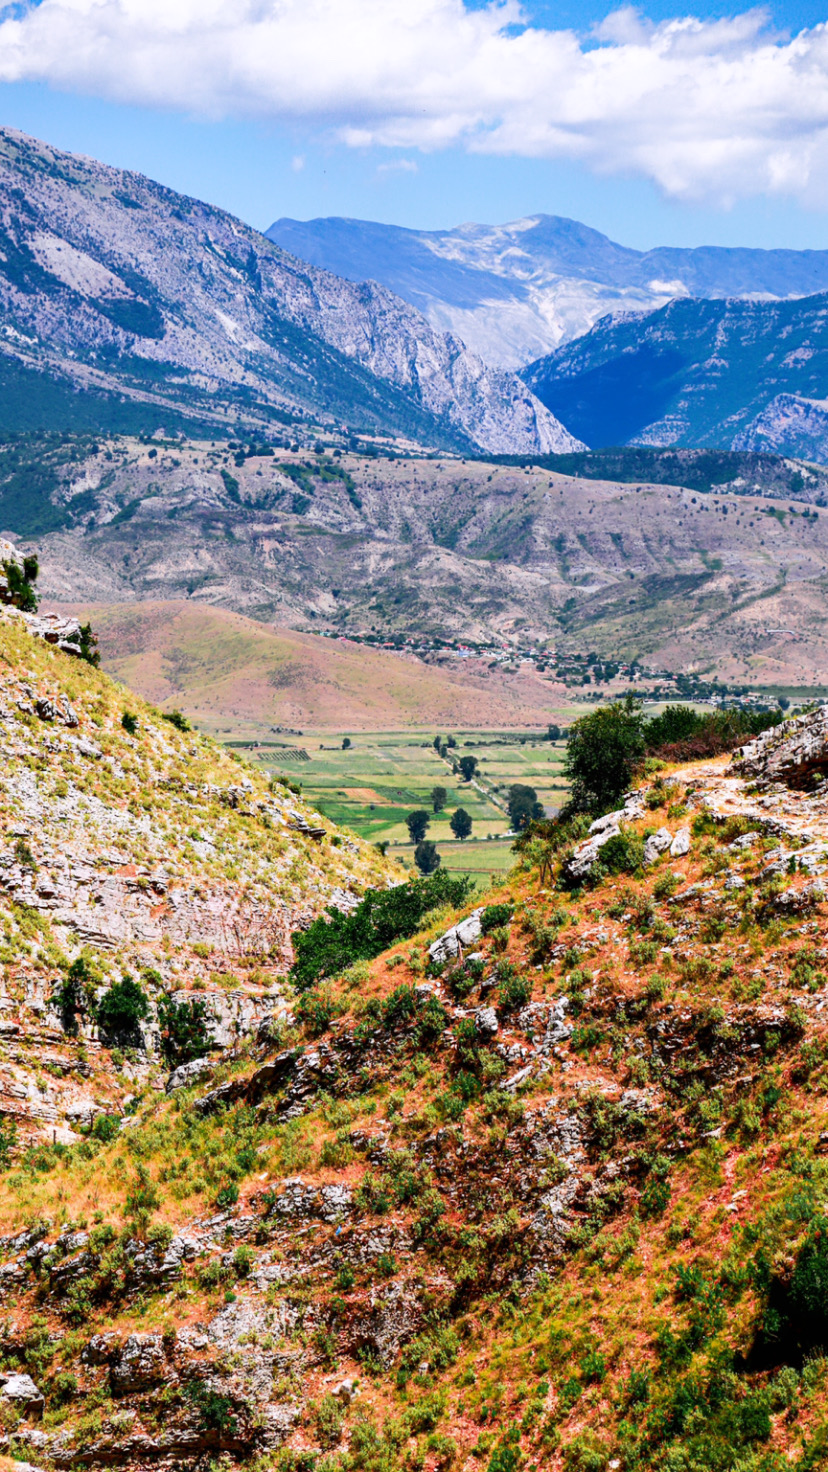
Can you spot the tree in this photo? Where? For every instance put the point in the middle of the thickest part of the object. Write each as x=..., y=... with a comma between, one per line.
x=553, y=732
x=468, y=767
x=184, y=1030
x=461, y=823
x=346, y=742
x=438, y=744
x=121, y=1009
x=76, y=992
x=523, y=806
x=417, y=824
x=129, y=722
x=426, y=857
x=603, y=751
x=89, y=646
x=439, y=798
x=450, y=741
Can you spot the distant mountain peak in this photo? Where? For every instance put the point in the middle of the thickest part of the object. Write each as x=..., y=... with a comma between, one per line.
x=517, y=291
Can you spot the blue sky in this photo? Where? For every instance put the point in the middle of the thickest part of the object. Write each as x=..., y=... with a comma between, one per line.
x=330, y=150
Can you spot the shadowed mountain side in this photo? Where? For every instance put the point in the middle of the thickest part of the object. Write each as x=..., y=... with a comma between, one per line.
x=226, y=670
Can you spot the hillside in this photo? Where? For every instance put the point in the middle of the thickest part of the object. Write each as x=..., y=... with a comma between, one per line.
x=127, y=306
x=516, y=292
x=500, y=554
x=232, y=674
x=158, y=850
x=741, y=375
x=544, y=1187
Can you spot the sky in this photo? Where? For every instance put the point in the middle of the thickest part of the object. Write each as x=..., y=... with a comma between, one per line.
x=704, y=124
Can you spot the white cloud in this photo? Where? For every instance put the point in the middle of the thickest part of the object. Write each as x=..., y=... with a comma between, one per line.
x=706, y=109
x=398, y=166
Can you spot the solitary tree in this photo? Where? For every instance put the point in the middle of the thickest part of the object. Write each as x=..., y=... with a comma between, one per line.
x=468, y=767
x=417, y=825
x=461, y=823
x=426, y=857
x=602, y=753
x=439, y=798
x=346, y=741
x=523, y=806
x=121, y=1010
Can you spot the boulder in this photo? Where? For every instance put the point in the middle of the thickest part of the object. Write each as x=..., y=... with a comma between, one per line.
x=187, y=1074
x=792, y=752
x=485, y=1022
x=657, y=844
x=22, y=1392
x=454, y=941
x=681, y=844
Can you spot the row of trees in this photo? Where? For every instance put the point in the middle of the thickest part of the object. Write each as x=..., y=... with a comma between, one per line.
x=419, y=822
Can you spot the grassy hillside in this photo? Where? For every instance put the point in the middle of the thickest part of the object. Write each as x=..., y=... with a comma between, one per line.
x=556, y=1203
x=238, y=678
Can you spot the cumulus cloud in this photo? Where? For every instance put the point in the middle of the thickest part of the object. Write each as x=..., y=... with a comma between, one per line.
x=705, y=109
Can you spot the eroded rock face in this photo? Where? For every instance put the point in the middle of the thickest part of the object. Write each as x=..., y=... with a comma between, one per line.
x=792, y=752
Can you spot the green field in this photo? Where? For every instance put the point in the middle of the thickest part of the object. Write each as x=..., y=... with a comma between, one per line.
x=372, y=786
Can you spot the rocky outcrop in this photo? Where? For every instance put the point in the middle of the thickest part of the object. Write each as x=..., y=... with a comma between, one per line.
x=793, y=752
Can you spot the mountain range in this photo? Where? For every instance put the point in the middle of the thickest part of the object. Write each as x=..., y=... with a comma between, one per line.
x=516, y=292
x=740, y=375
x=127, y=305
x=730, y=578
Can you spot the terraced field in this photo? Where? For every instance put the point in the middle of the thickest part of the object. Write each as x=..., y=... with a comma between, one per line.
x=371, y=787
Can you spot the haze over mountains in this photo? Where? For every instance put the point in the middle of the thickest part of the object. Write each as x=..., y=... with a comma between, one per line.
x=166, y=309
x=515, y=292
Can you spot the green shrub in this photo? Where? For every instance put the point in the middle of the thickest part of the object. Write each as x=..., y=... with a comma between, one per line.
x=185, y=1034
x=121, y=1010
x=494, y=916
x=515, y=991
x=177, y=719
x=331, y=944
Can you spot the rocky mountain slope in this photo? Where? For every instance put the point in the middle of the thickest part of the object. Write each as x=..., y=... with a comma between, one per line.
x=732, y=375
x=145, y=845
x=112, y=284
x=517, y=555
x=516, y=292
x=540, y=1184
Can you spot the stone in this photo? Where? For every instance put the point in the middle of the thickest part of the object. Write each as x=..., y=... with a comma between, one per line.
x=581, y=863
x=791, y=752
x=345, y=1391
x=22, y=1391
x=485, y=1022
x=657, y=844
x=452, y=943
x=187, y=1074
x=141, y=1363
x=680, y=844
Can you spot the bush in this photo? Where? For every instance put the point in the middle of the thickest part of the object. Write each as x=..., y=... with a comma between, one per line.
x=494, y=916
x=129, y=722
x=683, y=734
x=622, y=854
x=384, y=916
x=121, y=1010
x=106, y=1127
x=515, y=991
x=178, y=719
x=184, y=1031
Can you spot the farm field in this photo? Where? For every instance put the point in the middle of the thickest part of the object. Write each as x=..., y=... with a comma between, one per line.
x=373, y=785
